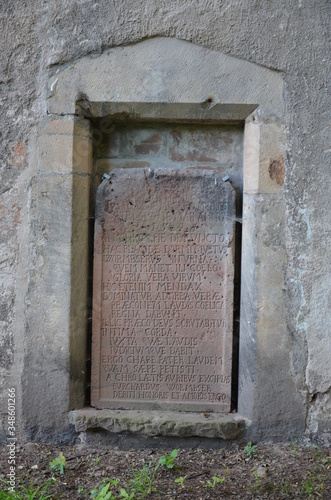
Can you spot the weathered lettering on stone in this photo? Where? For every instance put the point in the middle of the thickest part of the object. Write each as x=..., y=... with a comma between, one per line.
x=163, y=290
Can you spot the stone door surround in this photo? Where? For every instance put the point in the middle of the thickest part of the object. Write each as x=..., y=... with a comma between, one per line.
x=173, y=81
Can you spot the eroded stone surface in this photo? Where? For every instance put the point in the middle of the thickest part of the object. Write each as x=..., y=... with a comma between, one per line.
x=163, y=290
x=160, y=423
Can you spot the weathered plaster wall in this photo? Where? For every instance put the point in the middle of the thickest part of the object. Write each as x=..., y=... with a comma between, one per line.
x=291, y=36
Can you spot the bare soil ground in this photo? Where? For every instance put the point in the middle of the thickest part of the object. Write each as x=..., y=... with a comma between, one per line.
x=270, y=471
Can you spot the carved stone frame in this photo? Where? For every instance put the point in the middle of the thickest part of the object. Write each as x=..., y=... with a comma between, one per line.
x=171, y=80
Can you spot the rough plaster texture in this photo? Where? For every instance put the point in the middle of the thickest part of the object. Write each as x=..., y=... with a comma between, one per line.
x=291, y=37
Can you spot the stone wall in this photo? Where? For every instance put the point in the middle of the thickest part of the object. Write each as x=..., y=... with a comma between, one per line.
x=289, y=37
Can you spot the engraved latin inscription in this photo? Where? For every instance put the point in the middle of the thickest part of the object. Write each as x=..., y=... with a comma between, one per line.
x=163, y=291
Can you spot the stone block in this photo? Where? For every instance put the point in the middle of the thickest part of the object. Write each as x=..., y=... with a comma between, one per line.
x=55, y=152
x=108, y=78
x=82, y=155
x=160, y=423
x=264, y=163
x=66, y=145
x=81, y=187
x=63, y=126
x=265, y=381
x=163, y=290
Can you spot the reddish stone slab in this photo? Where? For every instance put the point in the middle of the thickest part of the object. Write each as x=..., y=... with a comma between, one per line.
x=163, y=291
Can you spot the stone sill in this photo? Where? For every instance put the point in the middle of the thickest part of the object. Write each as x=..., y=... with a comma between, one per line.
x=161, y=423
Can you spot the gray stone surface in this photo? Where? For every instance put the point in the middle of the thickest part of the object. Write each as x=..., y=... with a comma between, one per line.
x=220, y=77
x=161, y=423
x=291, y=37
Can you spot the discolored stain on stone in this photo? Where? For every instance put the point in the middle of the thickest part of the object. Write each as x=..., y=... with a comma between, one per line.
x=150, y=145
x=277, y=171
x=176, y=136
x=9, y=219
x=19, y=155
x=17, y=216
x=194, y=145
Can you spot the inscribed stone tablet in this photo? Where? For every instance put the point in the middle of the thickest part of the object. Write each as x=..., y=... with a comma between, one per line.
x=163, y=291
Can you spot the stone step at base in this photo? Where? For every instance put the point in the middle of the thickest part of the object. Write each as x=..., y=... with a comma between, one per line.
x=159, y=424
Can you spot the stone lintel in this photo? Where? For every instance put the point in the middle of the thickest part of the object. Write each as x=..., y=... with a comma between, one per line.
x=161, y=423
x=179, y=112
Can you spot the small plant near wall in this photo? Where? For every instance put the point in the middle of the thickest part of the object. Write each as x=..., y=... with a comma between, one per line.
x=142, y=481
x=169, y=460
x=59, y=463
x=250, y=450
x=215, y=480
x=102, y=492
x=32, y=492
x=125, y=495
x=180, y=480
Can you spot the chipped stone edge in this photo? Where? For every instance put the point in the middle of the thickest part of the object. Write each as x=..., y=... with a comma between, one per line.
x=161, y=423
